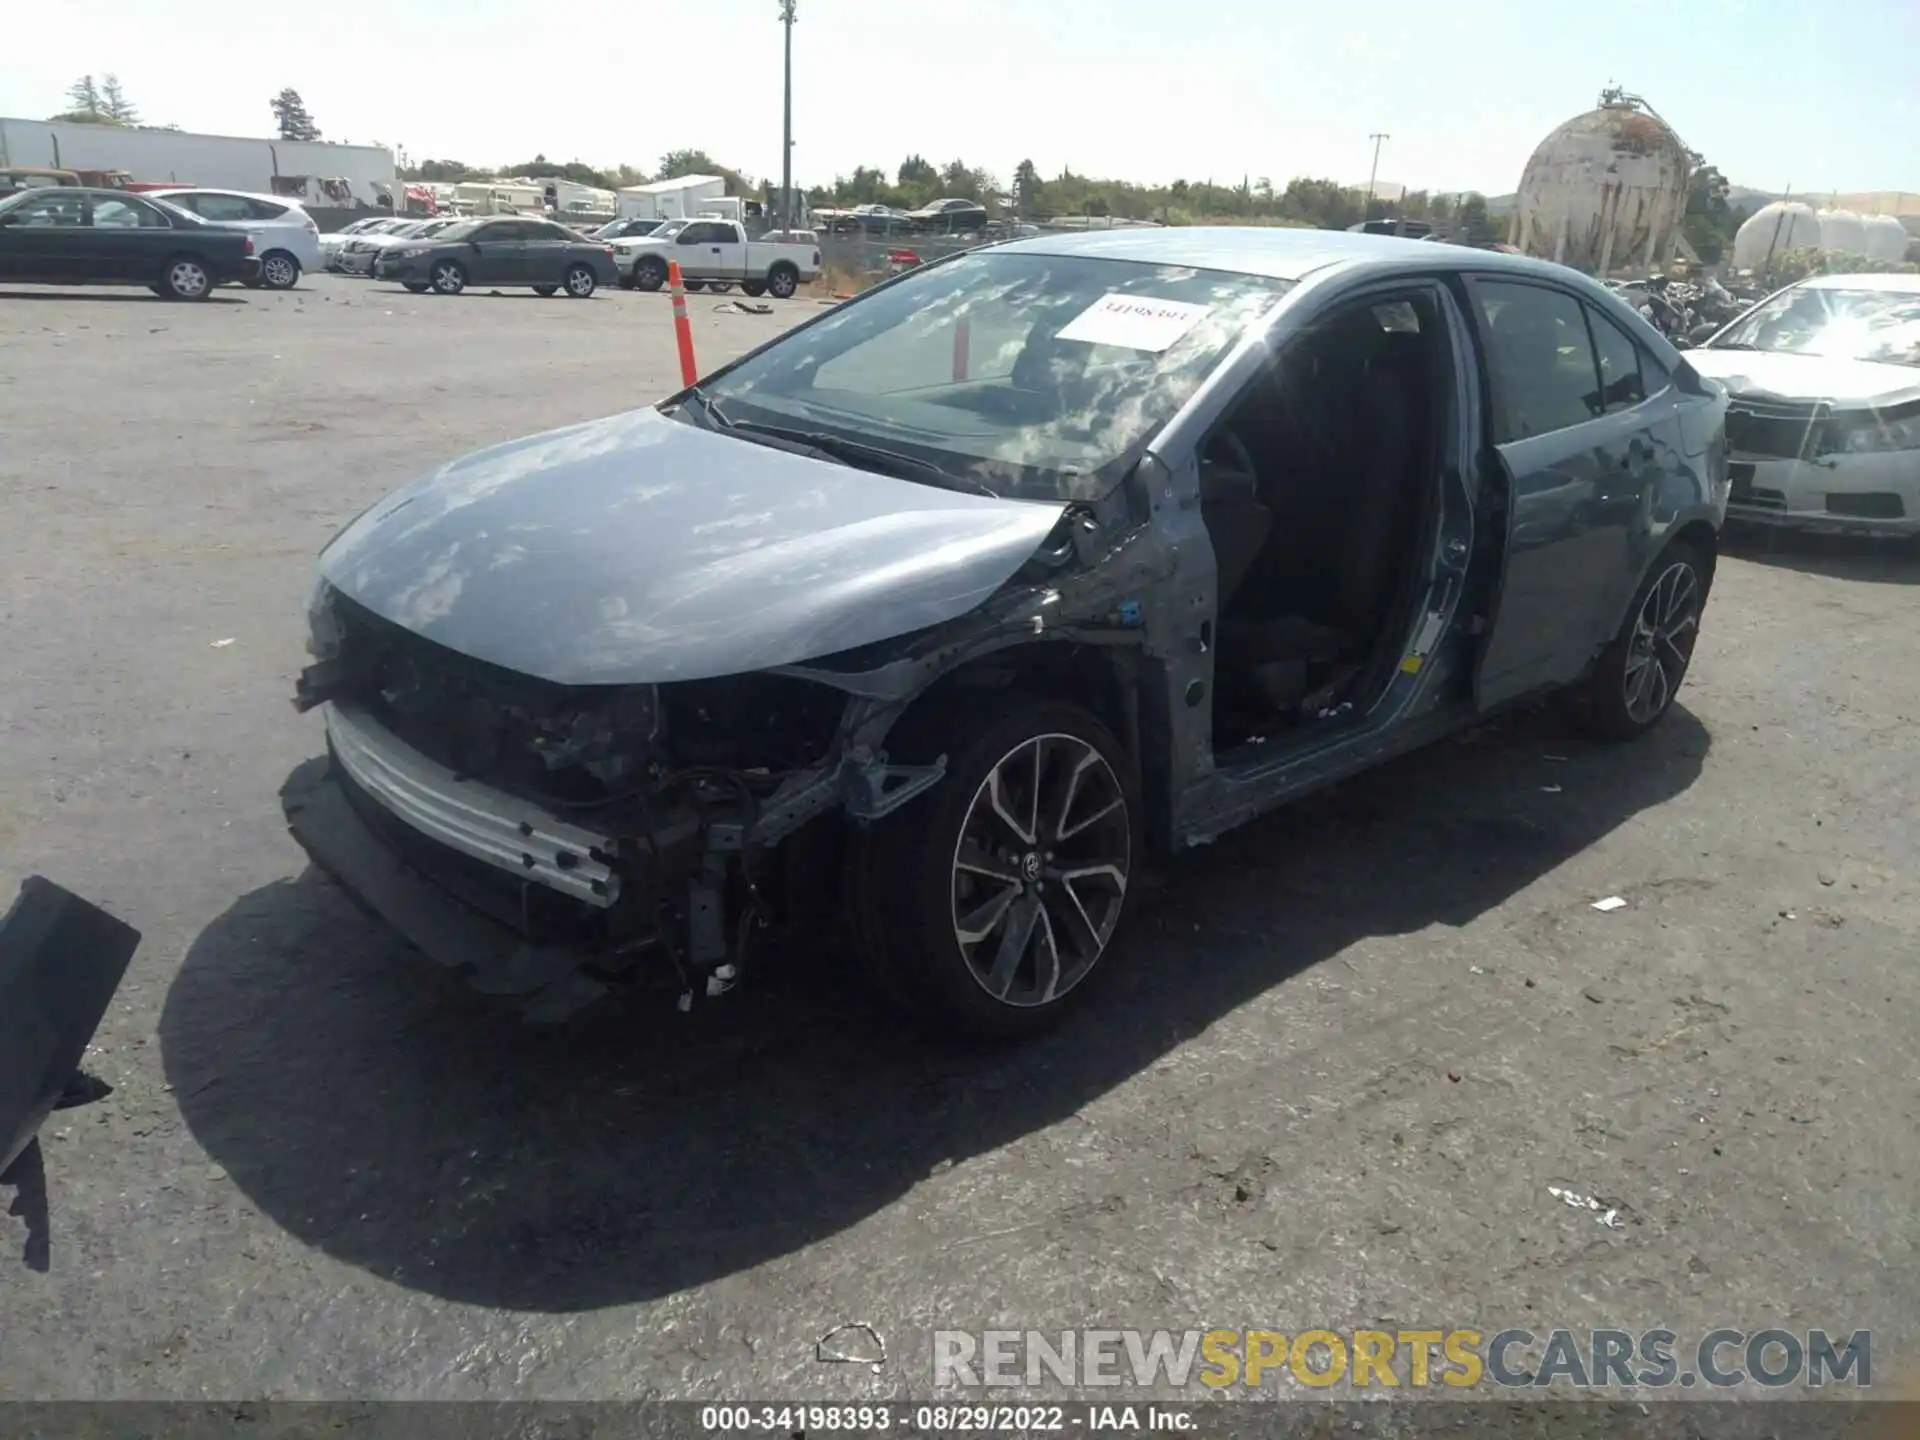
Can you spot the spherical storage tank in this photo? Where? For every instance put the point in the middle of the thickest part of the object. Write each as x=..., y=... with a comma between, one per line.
x=1887, y=238
x=1775, y=230
x=1605, y=190
x=1841, y=233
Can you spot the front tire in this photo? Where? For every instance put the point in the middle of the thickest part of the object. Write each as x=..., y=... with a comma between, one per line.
x=782, y=280
x=581, y=282
x=753, y=289
x=649, y=273
x=417, y=287
x=449, y=277
x=185, y=278
x=546, y=289
x=991, y=903
x=1634, y=682
x=280, y=271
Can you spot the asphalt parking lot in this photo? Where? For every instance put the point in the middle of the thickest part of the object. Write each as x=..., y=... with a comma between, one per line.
x=1349, y=1051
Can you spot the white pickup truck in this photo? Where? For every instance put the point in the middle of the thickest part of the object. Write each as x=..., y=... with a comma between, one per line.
x=715, y=253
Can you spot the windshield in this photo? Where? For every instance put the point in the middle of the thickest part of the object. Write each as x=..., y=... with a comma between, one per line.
x=1038, y=376
x=1848, y=324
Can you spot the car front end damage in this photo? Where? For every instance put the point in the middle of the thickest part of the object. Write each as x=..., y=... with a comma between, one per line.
x=1825, y=467
x=556, y=845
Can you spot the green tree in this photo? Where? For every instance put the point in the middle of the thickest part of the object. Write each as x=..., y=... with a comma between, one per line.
x=114, y=101
x=1029, y=191
x=915, y=171
x=1709, y=221
x=290, y=114
x=84, y=96
x=1474, y=224
x=576, y=171
x=676, y=163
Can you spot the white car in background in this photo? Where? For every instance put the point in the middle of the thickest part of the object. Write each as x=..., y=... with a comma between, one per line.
x=335, y=242
x=1823, y=424
x=284, y=235
x=358, y=254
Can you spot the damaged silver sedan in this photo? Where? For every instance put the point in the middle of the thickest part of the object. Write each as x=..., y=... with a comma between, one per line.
x=928, y=622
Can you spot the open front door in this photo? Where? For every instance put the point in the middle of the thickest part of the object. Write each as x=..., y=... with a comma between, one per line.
x=1554, y=471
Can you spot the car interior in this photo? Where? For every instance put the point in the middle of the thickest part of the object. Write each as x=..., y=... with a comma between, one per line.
x=1317, y=490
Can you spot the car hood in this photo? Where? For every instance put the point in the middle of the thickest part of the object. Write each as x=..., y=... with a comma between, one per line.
x=641, y=549
x=1776, y=375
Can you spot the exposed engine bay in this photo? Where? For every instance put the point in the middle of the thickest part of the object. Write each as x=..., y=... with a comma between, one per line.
x=650, y=832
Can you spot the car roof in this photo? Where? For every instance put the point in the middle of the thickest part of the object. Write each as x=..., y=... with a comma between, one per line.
x=98, y=192
x=1866, y=280
x=291, y=204
x=1276, y=252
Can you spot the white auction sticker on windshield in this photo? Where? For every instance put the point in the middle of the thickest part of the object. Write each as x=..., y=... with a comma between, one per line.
x=1136, y=322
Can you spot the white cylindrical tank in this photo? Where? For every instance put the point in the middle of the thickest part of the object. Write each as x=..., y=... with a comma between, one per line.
x=1841, y=233
x=1606, y=190
x=1887, y=238
x=1775, y=230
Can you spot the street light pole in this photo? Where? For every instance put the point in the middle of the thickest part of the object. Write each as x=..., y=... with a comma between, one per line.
x=1374, y=174
x=786, y=126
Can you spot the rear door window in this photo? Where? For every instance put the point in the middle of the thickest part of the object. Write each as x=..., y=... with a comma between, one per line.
x=1623, y=384
x=1545, y=377
x=127, y=214
x=225, y=208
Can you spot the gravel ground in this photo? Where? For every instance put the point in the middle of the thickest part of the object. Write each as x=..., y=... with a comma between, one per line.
x=1348, y=1051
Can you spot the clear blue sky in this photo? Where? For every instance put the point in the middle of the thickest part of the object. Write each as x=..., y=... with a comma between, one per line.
x=1823, y=96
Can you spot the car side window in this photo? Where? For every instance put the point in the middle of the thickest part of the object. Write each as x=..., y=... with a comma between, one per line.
x=700, y=235
x=499, y=230
x=223, y=207
x=1622, y=385
x=119, y=214
x=266, y=209
x=1544, y=374
x=52, y=210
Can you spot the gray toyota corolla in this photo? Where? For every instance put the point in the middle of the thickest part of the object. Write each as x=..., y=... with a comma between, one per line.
x=937, y=616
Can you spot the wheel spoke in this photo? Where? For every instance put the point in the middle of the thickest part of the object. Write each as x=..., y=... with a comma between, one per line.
x=1082, y=933
x=1087, y=762
x=997, y=797
x=972, y=857
x=980, y=922
x=1014, y=942
x=1093, y=819
x=1046, y=958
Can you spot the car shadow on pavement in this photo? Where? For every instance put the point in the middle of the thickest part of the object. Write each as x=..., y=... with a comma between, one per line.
x=373, y=1109
x=1838, y=557
x=113, y=297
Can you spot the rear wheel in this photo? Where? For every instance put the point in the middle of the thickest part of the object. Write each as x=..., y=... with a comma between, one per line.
x=449, y=277
x=991, y=902
x=185, y=278
x=650, y=273
x=1636, y=678
x=280, y=271
x=719, y=287
x=782, y=280
x=581, y=281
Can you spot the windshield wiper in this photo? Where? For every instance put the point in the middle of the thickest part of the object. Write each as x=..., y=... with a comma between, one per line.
x=857, y=453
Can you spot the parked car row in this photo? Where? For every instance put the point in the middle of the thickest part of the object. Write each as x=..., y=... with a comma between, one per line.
x=942, y=217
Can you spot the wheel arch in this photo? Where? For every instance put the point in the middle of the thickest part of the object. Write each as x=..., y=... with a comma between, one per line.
x=1113, y=683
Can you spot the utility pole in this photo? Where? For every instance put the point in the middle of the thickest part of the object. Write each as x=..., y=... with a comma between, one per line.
x=1374, y=174
x=786, y=126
